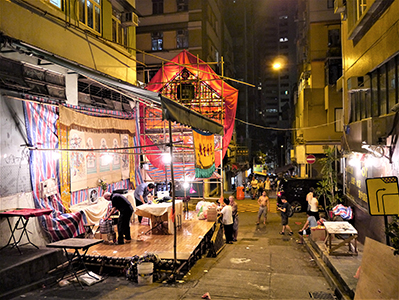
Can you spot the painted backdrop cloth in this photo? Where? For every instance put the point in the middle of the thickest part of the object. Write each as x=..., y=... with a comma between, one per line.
x=204, y=145
x=41, y=128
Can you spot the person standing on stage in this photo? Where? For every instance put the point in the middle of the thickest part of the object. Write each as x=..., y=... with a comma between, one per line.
x=125, y=209
x=141, y=194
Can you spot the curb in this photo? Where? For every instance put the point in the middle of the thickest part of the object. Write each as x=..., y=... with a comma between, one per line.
x=339, y=290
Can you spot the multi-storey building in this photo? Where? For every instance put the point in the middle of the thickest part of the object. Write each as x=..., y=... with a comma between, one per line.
x=369, y=86
x=318, y=105
x=166, y=27
x=57, y=53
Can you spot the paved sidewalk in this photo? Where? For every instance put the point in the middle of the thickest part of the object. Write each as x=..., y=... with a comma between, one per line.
x=261, y=265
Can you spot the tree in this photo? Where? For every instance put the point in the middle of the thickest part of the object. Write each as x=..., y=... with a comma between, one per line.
x=328, y=186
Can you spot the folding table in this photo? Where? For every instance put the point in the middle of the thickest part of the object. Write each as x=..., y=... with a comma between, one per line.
x=75, y=244
x=158, y=213
x=348, y=234
x=23, y=215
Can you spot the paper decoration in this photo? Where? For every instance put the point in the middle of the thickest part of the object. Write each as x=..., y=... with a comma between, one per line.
x=204, y=145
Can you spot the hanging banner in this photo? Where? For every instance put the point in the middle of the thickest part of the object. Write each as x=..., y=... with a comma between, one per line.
x=77, y=160
x=204, y=145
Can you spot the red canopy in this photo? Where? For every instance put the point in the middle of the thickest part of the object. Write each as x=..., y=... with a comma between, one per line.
x=205, y=73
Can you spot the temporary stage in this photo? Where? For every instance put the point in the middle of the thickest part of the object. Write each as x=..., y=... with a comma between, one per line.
x=189, y=236
x=194, y=239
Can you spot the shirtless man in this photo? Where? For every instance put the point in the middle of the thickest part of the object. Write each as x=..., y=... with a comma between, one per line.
x=264, y=207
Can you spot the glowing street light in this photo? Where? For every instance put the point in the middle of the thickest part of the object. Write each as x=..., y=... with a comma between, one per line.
x=277, y=66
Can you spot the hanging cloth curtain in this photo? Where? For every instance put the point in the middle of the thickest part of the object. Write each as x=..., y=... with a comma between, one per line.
x=204, y=145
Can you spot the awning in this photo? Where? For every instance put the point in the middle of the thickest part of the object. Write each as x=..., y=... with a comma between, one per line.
x=175, y=112
x=135, y=92
x=171, y=110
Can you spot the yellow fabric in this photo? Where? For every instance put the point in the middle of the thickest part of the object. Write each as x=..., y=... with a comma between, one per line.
x=64, y=169
x=204, y=150
x=69, y=117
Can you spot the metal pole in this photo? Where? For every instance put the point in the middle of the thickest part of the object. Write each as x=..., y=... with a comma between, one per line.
x=173, y=198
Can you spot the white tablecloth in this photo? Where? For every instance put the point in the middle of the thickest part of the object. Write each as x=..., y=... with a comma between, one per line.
x=162, y=210
x=93, y=212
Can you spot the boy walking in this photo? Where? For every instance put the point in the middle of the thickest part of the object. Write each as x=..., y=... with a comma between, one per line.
x=284, y=216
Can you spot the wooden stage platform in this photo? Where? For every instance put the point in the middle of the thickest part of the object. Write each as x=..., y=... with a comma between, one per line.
x=189, y=237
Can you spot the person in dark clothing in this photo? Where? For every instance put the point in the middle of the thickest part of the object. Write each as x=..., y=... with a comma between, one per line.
x=125, y=209
x=141, y=194
x=284, y=216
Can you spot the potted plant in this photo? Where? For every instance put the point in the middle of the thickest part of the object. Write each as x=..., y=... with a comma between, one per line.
x=328, y=186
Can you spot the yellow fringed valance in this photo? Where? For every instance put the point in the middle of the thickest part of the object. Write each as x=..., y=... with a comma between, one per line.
x=69, y=117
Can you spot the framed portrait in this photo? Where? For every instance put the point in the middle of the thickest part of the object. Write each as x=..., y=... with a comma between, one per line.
x=93, y=196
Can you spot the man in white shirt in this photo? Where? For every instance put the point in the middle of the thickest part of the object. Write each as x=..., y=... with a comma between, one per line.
x=227, y=221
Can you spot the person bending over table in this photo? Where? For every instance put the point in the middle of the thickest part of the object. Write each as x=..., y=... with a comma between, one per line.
x=120, y=203
x=141, y=194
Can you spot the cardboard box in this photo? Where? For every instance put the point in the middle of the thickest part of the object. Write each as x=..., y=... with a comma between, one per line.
x=212, y=214
x=318, y=233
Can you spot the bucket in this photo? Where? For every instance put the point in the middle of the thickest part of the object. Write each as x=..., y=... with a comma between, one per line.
x=144, y=273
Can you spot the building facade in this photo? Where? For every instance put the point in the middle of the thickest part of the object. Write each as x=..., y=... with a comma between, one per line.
x=57, y=53
x=166, y=27
x=318, y=105
x=370, y=101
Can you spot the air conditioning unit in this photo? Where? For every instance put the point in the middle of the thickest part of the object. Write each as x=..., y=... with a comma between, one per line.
x=339, y=6
x=130, y=19
x=358, y=83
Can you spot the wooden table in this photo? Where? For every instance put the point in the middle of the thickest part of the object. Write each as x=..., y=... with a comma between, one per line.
x=158, y=213
x=23, y=215
x=348, y=234
x=75, y=244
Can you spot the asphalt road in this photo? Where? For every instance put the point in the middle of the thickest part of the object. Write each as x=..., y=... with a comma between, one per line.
x=261, y=265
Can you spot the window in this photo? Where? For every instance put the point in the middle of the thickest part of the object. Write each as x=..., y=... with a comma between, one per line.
x=157, y=7
x=186, y=91
x=182, y=39
x=182, y=5
x=374, y=95
x=89, y=13
x=361, y=6
x=334, y=38
x=383, y=90
x=57, y=3
x=157, y=41
x=117, y=29
x=392, y=82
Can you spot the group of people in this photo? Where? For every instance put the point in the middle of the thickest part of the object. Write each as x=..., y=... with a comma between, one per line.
x=228, y=211
x=258, y=186
x=227, y=208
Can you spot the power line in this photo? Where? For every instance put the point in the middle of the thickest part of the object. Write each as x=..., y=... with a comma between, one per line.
x=287, y=129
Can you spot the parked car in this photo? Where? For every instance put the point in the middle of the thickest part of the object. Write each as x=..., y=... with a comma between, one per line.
x=295, y=191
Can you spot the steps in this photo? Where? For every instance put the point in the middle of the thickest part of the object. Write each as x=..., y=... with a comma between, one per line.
x=20, y=273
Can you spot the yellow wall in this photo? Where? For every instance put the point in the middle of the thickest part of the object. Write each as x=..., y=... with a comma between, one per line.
x=376, y=46
x=74, y=43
